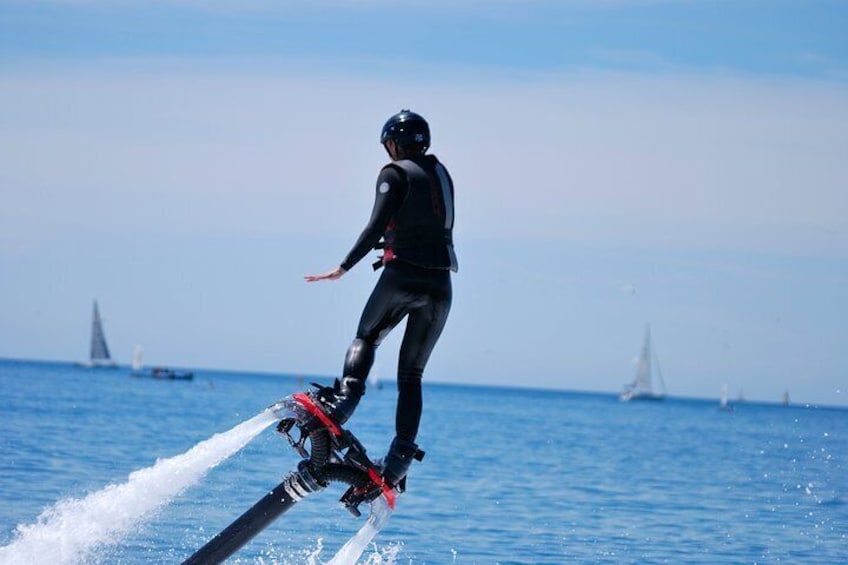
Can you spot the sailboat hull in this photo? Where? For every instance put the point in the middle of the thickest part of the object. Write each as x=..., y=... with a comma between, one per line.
x=97, y=364
x=628, y=396
x=164, y=374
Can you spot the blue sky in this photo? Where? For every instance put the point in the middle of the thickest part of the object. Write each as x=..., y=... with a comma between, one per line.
x=677, y=163
x=776, y=37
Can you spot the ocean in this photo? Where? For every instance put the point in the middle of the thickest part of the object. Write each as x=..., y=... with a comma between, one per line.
x=98, y=467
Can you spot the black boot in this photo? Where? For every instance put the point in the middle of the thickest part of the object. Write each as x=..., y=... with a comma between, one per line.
x=350, y=391
x=338, y=402
x=397, y=461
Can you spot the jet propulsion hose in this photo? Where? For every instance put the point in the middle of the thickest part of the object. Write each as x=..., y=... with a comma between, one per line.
x=313, y=474
x=257, y=518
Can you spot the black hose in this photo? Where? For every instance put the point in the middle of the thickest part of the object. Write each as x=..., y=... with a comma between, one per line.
x=325, y=472
x=293, y=488
x=242, y=530
x=333, y=472
x=320, y=453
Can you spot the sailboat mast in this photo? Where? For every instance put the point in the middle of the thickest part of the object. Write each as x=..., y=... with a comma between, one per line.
x=659, y=373
x=643, y=371
x=95, y=328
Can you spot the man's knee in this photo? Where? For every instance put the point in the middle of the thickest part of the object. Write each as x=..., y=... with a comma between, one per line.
x=359, y=359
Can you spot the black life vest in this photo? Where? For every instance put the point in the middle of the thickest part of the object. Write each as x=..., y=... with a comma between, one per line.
x=421, y=230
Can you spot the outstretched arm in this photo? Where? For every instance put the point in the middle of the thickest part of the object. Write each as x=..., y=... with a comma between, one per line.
x=386, y=201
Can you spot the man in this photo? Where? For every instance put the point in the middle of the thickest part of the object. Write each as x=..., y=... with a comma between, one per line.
x=413, y=214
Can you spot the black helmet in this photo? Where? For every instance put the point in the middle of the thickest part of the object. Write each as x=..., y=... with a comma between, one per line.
x=407, y=128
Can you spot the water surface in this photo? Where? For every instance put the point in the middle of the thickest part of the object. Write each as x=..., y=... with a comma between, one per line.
x=510, y=476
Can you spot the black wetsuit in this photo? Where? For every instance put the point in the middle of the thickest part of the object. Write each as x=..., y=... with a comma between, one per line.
x=413, y=213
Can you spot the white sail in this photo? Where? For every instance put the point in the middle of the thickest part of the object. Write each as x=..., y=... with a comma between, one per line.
x=373, y=380
x=724, y=402
x=641, y=388
x=136, y=362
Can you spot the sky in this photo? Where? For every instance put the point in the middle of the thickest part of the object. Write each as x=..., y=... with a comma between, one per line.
x=673, y=163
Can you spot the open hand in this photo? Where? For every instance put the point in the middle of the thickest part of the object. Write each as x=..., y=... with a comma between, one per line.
x=328, y=276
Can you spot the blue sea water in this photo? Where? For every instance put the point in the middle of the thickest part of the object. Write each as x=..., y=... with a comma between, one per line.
x=511, y=476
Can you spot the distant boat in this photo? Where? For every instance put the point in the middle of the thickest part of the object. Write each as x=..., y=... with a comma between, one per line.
x=170, y=374
x=723, y=403
x=99, y=356
x=642, y=387
x=374, y=379
x=157, y=372
x=136, y=362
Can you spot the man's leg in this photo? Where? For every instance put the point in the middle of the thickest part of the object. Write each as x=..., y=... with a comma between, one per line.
x=358, y=361
x=423, y=328
x=383, y=311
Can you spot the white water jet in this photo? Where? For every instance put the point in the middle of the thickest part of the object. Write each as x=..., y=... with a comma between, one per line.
x=71, y=530
x=355, y=546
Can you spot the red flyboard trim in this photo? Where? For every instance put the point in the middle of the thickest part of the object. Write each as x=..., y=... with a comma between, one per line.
x=304, y=400
x=388, y=492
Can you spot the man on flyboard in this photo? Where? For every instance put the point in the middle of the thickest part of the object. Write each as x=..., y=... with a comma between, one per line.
x=412, y=221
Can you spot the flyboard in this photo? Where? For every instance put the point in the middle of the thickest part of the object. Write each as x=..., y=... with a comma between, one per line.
x=334, y=455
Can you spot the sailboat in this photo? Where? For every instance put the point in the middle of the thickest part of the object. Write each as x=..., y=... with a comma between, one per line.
x=136, y=362
x=374, y=381
x=157, y=372
x=723, y=404
x=99, y=356
x=641, y=388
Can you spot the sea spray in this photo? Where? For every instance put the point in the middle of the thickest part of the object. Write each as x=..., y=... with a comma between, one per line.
x=355, y=546
x=71, y=530
x=271, y=555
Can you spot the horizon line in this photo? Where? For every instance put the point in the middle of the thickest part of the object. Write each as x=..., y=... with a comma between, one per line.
x=526, y=388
